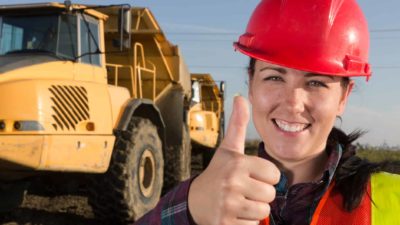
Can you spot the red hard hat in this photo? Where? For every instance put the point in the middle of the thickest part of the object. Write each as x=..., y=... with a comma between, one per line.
x=319, y=36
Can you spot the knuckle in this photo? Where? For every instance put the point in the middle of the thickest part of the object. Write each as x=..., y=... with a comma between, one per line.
x=247, y=208
x=276, y=177
x=255, y=210
x=271, y=193
x=237, y=161
x=263, y=211
x=267, y=211
x=267, y=194
x=228, y=206
x=230, y=185
x=276, y=174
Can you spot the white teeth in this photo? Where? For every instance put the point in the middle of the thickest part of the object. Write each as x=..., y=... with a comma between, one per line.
x=290, y=127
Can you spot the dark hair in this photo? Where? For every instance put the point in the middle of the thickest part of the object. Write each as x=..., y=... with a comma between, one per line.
x=251, y=69
x=353, y=173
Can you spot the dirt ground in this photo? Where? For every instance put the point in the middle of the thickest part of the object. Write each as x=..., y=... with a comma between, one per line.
x=56, y=210
x=43, y=206
x=53, y=199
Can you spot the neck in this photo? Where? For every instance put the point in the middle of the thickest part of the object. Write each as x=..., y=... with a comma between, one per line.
x=305, y=170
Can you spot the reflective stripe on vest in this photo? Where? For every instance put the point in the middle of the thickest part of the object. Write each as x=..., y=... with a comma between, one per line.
x=384, y=189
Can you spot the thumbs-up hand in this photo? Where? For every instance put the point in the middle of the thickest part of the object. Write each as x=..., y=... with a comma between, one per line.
x=235, y=188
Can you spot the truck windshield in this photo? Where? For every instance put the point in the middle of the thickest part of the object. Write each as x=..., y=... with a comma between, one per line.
x=54, y=34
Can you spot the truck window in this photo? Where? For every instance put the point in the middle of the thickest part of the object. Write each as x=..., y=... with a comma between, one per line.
x=24, y=34
x=11, y=38
x=195, y=92
x=89, y=40
x=56, y=34
x=68, y=38
x=207, y=93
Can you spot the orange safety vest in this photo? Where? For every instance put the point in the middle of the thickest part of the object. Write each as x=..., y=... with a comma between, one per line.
x=379, y=206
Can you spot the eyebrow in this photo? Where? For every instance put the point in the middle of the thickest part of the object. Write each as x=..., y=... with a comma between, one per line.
x=278, y=69
x=284, y=71
x=318, y=75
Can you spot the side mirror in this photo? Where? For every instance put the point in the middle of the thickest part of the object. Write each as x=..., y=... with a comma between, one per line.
x=222, y=88
x=124, y=26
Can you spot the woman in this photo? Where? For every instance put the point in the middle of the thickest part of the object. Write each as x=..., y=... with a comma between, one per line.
x=303, y=54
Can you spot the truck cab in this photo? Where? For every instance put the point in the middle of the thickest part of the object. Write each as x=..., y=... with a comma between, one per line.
x=53, y=78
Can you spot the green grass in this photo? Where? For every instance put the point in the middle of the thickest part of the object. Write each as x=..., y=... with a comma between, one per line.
x=372, y=153
x=379, y=156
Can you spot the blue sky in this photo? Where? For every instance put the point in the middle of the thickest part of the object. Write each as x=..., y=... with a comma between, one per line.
x=205, y=30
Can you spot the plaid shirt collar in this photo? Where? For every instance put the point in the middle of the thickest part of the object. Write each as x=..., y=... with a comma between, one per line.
x=329, y=171
x=286, y=202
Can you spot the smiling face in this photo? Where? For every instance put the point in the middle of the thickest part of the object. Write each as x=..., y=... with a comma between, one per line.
x=294, y=111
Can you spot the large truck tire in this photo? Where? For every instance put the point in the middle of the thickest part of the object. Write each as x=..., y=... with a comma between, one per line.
x=201, y=157
x=133, y=183
x=178, y=162
x=12, y=195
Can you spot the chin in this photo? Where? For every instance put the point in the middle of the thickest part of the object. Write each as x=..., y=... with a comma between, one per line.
x=288, y=152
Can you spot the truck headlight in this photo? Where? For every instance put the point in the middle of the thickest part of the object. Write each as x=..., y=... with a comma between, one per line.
x=2, y=125
x=27, y=125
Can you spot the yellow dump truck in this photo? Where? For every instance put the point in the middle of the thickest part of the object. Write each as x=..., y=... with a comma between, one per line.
x=95, y=90
x=206, y=118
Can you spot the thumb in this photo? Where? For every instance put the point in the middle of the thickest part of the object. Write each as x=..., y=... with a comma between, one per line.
x=236, y=132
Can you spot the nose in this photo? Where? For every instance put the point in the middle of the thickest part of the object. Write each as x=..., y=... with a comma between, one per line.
x=295, y=100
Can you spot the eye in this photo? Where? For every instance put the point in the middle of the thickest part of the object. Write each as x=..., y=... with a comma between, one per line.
x=273, y=78
x=316, y=83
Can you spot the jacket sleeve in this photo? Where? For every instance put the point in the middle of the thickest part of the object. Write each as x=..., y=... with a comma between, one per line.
x=172, y=209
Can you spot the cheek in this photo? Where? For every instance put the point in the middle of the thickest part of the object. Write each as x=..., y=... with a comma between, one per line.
x=262, y=98
x=326, y=109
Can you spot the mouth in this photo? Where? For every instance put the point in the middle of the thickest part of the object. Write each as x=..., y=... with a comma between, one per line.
x=290, y=127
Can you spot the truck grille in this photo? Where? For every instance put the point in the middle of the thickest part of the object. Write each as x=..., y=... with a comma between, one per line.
x=70, y=106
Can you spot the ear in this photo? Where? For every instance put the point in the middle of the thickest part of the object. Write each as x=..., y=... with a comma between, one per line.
x=345, y=97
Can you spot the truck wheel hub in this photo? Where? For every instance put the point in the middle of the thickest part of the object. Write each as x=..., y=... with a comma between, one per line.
x=147, y=173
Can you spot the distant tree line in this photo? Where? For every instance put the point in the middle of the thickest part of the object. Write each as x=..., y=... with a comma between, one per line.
x=381, y=153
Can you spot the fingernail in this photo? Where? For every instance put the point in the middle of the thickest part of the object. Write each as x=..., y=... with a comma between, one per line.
x=237, y=94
